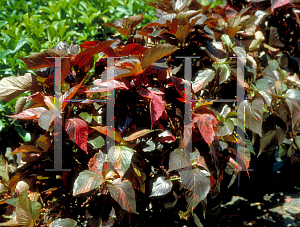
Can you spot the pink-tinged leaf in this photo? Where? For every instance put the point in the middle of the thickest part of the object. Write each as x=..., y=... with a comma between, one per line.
x=157, y=105
x=86, y=181
x=108, y=86
x=32, y=113
x=96, y=163
x=278, y=3
x=206, y=124
x=25, y=148
x=138, y=134
x=124, y=194
x=288, y=200
x=77, y=130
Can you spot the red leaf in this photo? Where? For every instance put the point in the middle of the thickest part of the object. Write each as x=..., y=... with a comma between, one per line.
x=157, y=105
x=81, y=58
x=77, y=130
x=206, y=124
x=32, y=113
x=87, y=44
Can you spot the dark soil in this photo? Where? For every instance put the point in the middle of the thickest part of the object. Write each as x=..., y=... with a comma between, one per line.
x=274, y=205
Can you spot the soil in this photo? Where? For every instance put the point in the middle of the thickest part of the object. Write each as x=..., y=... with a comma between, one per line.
x=276, y=206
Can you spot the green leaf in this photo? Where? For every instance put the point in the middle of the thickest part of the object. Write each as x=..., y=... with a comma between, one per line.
x=63, y=222
x=249, y=145
x=97, y=143
x=225, y=128
x=273, y=65
x=264, y=90
x=20, y=44
x=253, y=114
x=13, y=201
x=227, y=40
x=240, y=52
x=85, y=116
x=123, y=193
x=86, y=181
x=27, y=210
x=45, y=9
x=1, y=125
x=51, y=33
x=24, y=134
x=223, y=73
x=255, y=44
x=202, y=79
x=98, y=119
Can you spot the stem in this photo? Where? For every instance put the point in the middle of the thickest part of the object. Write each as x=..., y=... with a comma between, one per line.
x=177, y=178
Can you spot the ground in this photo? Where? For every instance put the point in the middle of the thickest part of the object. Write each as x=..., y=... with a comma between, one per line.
x=278, y=207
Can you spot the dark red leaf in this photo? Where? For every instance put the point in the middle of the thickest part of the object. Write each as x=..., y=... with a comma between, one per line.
x=77, y=130
x=132, y=49
x=157, y=52
x=157, y=105
x=81, y=58
x=87, y=44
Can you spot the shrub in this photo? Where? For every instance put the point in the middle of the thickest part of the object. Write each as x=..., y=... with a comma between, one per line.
x=145, y=174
